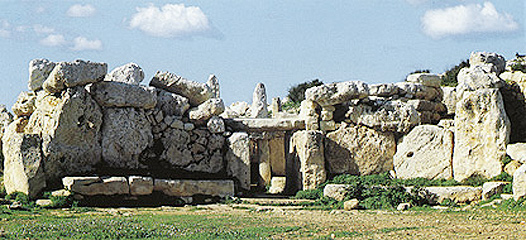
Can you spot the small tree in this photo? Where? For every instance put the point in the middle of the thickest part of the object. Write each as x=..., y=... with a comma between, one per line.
x=297, y=92
x=450, y=77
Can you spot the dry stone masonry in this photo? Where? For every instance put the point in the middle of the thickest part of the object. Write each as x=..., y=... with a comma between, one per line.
x=96, y=133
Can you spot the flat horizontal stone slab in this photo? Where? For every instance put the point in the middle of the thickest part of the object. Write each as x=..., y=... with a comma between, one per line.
x=265, y=124
x=188, y=188
x=91, y=186
x=459, y=194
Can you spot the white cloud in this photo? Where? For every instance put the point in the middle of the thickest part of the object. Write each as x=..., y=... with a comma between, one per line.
x=41, y=29
x=79, y=10
x=53, y=40
x=82, y=43
x=466, y=19
x=5, y=32
x=171, y=20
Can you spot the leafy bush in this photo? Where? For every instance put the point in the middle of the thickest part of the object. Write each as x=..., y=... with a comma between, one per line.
x=310, y=194
x=297, y=92
x=450, y=77
x=290, y=105
x=18, y=197
x=519, y=67
x=3, y=192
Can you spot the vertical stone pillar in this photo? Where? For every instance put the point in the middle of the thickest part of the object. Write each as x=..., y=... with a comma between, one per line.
x=265, y=172
x=307, y=147
x=275, y=106
x=238, y=159
x=259, y=102
x=213, y=84
x=277, y=156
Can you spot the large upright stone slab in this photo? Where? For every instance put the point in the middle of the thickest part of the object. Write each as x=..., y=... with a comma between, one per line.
x=477, y=77
x=278, y=159
x=336, y=93
x=265, y=173
x=482, y=130
x=359, y=150
x=426, y=152
x=130, y=73
x=308, y=149
x=259, y=102
x=118, y=94
x=69, y=125
x=71, y=74
x=238, y=158
x=519, y=183
x=39, y=70
x=196, y=93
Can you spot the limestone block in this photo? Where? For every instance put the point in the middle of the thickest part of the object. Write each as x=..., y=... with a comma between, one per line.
x=118, y=94
x=351, y=204
x=482, y=130
x=458, y=194
x=419, y=91
x=207, y=109
x=275, y=106
x=359, y=150
x=448, y=124
x=393, y=116
x=336, y=93
x=492, y=188
x=236, y=110
x=519, y=183
x=216, y=125
x=426, y=79
x=130, y=73
x=126, y=133
x=307, y=147
x=327, y=126
x=176, y=151
x=424, y=105
x=277, y=156
x=25, y=104
x=140, y=185
x=511, y=167
x=259, y=102
x=213, y=84
x=24, y=163
x=71, y=74
x=383, y=90
x=265, y=124
x=449, y=99
x=171, y=104
x=277, y=185
x=197, y=93
x=188, y=188
x=238, y=158
x=426, y=152
x=477, y=77
x=91, y=186
x=517, y=151
x=39, y=70
x=309, y=109
x=44, y=202
x=482, y=58
x=336, y=191
x=403, y=206
x=265, y=173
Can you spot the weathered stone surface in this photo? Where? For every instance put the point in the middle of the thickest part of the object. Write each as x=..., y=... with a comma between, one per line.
x=213, y=84
x=207, y=109
x=196, y=93
x=140, y=185
x=419, y=91
x=359, y=150
x=5, y=119
x=118, y=94
x=517, y=151
x=307, y=148
x=277, y=185
x=91, y=186
x=336, y=191
x=482, y=130
x=519, y=183
x=277, y=156
x=484, y=58
x=395, y=116
x=336, y=93
x=448, y=124
x=275, y=106
x=24, y=163
x=426, y=152
x=449, y=99
x=238, y=158
x=71, y=74
x=236, y=110
x=516, y=76
x=176, y=151
x=489, y=189
x=216, y=125
x=511, y=167
x=351, y=204
x=126, y=133
x=171, y=103
x=403, y=206
x=188, y=188
x=243, y=124
x=327, y=126
x=309, y=109
x=259, y=102
x=477, y=77
x=44, y=202
x=458, y=194
x=265, y=173
x=424, y=105
x=39, y=70
x=426, y=79
x=515, y=106
x=130, y=73
x=69, y=125
x=25, y=104
x=383, y=90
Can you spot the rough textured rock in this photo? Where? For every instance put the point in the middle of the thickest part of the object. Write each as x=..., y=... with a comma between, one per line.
x=118, y=94
x=213, y=84
x=395, y=116
x=448, y=124
x=265, y=173
x=482, y=130
x=449, y=99
x=25, y=104
x=515, y=105
x=426, y=79
x=383, y=90
x=259, y=102
x=277, y=185
x=419, y=91
x=484, y=58
x=426, y=152
x=172, y=104
x=188, y=188
x=24, y=163
x=308, y=150
x=516, y=76
x=359, y=150
x=489, y=189
x=266, y=124
x=69, y=125
x=207, y=109
x=277, y=156
x=130, y=73
x=336, y=191
x=71, y=74
x=126, y=133
x=458, y=194
x=140, y=185
x=517, y=151
x=238, y=158
x=237, y=110
x=216, y=125
x=477, y=77
x=39, y=70
x=403, y=206
x=196, y=93
x=336, y=93
x=519, y=183
x=5, y=119
x=424, y=105
x=351, y=204
x=91, y=186
x=511, y=167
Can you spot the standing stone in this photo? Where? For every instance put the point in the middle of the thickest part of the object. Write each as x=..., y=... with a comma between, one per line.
x=5, y=119
x=449, y=99
x=477, y=77
x=359, y=150
x=39, y=70
x=265, y=173
x=69, y=125
x=275, y=106
x=259, y=102
x=209, y=108
x=426, y=152
x=238, y=158
x=71, y=74
x=336, y=93
x=519, y=183
x=25, y=104
x=126, y=133
x=307, y=148
x=24, y=163
x=118, y=94
x=213, y=84
x=278, y=161
x=130, y=73
x=196, y=93
x=171, y=104
x=482, y=130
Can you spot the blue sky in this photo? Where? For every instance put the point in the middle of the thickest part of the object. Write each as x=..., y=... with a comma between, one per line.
x=279, y=43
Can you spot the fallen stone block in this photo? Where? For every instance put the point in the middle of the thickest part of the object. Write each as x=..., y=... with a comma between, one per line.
x=91, y=186
x=197, y=93
x=117, y=94
x=188, y=188
x=458, y=194
x=71, y=74
x=140, y=185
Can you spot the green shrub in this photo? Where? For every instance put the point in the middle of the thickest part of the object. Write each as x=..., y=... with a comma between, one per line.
x=3, y=192
x=290, y=105
x=519, y=67
x=297, y=93
x=450, y=76
x=310, y=194
x=18, y=197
